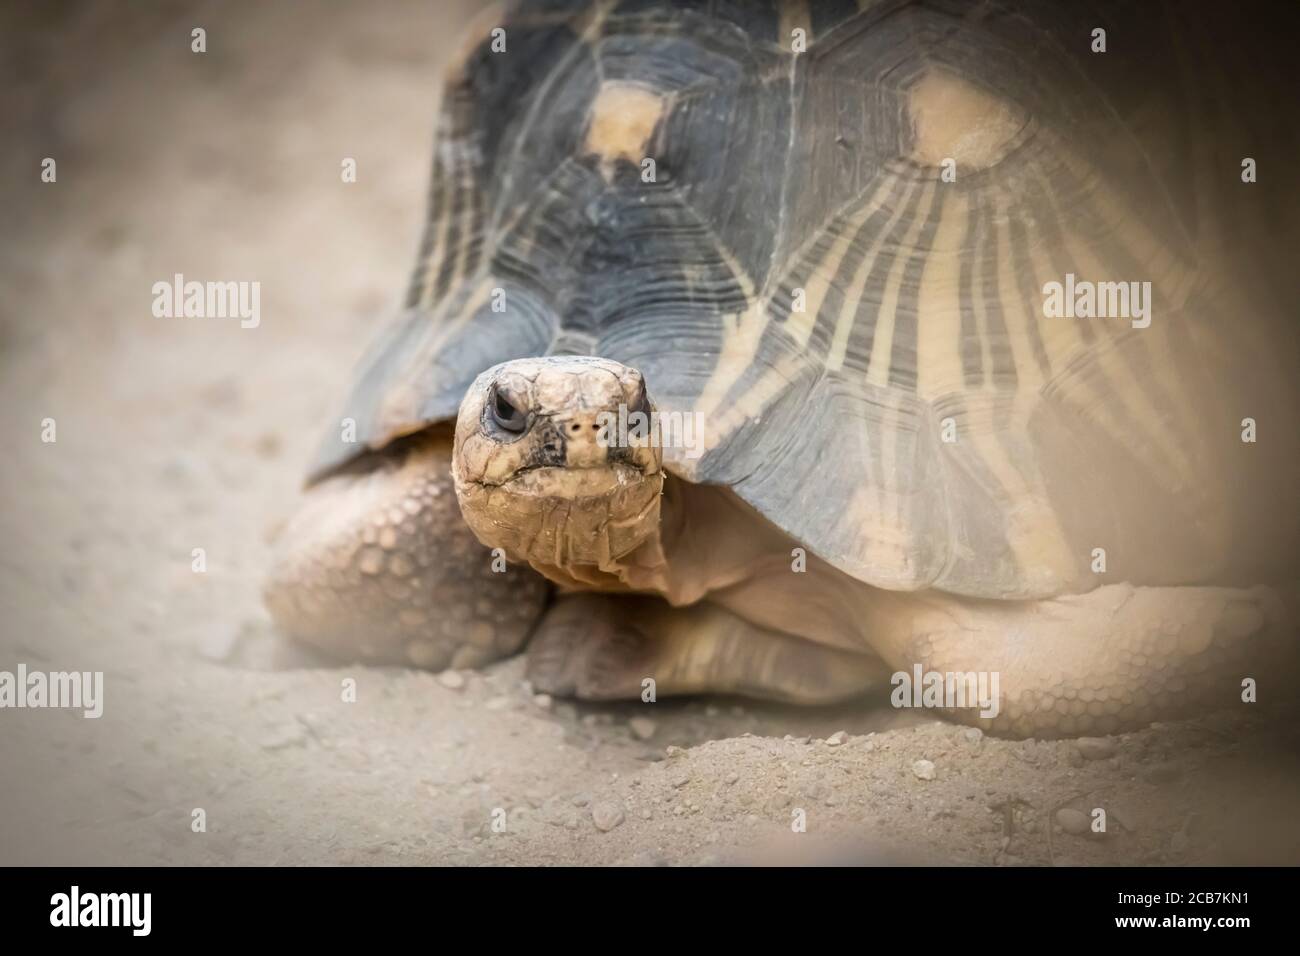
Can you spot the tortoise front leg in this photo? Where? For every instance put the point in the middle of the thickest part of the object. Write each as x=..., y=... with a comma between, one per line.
x=605, y=647
x=378, y=566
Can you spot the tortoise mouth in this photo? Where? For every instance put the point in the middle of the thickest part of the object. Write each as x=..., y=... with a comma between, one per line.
x=571, y=481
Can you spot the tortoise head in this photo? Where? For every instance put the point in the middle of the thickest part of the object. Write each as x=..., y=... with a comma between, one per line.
x=554, y=461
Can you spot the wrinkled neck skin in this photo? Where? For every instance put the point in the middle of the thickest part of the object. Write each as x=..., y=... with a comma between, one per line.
x=606, y=542
x=609, y=565
x=603, y=533
x=594, y=550
x=704, y=539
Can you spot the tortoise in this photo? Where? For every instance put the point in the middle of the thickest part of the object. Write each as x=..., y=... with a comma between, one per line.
x=727, y=367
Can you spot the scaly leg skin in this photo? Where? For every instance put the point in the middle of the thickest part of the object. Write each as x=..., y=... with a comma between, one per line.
x=1113, y=659
x=602, y=647
x=379, y=567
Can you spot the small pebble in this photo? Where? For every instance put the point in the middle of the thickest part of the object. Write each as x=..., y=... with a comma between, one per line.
x=606, y=815
x=643, y=728
x=543, y=701
x=681, y=780
x=974, y=735
x=732, y=777
x=452, y=680
x=835, y=739
x=1072, y=821
x=923, y=769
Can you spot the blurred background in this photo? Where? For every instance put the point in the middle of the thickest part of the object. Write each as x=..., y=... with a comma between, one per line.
x=176, y=434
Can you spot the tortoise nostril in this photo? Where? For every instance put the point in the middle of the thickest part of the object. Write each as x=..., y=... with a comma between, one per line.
x=575, y=427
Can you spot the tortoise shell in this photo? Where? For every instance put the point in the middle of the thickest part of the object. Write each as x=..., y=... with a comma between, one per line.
x=831, y=233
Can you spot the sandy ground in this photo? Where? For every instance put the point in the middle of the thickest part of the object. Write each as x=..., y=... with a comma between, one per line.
x=177, y=434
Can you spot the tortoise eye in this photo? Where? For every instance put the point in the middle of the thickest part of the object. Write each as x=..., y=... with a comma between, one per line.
x=505, y=413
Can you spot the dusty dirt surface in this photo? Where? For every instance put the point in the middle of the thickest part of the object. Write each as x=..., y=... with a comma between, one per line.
x=176, y=434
